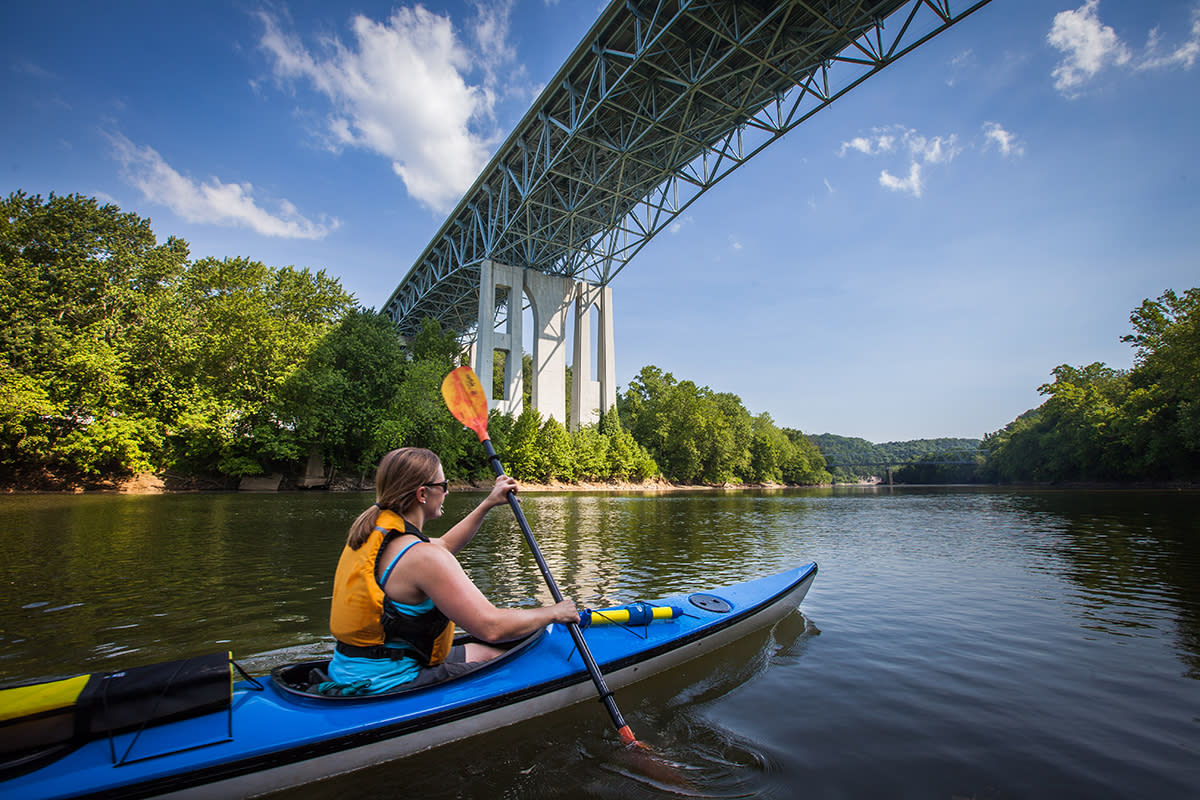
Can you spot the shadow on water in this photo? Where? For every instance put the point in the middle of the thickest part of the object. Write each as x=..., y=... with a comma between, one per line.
x=574, y=753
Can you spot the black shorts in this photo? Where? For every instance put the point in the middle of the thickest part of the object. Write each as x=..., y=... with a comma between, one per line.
x=454, y=665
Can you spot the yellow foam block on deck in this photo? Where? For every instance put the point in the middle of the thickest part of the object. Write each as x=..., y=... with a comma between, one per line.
x=629, y=615
x=28, y=701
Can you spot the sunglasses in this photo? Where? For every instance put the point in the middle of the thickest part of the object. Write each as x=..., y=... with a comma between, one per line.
x=443, y=485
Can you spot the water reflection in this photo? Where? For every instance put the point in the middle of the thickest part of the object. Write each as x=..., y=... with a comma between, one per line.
x=96, y=579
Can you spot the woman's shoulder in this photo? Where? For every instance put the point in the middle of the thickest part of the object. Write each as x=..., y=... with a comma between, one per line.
x=418, y=549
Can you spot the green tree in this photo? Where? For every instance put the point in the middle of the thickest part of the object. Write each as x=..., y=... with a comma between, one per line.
x=803, y=464
x=695, y=435
x=75, y=278
x=591, y=453
x=1162, y=412
x=339, y=399
x=252, y=326
x=625, y=459
x=769, y=448
x=1082, y=438
x=1104, y=424
x=417, y=415
x=526, y=461
x=558, y=456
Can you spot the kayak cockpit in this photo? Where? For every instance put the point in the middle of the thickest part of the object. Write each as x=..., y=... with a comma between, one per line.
x=303, y=678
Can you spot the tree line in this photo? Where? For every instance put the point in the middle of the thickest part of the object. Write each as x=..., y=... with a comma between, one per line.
x=1097, y=424
x=121, y=355
x=1105, y=424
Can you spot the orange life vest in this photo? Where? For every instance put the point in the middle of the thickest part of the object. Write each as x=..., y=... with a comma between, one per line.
x=362, y=620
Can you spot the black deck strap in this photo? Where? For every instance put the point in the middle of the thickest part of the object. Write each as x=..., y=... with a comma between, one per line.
x=138, y=698
x=108, y=719
x=258, y=687
x=622, y=625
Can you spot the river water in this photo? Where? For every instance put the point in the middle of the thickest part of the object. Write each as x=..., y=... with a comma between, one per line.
x=964, y=643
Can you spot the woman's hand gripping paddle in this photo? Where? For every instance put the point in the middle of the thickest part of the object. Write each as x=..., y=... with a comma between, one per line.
x=467, y=402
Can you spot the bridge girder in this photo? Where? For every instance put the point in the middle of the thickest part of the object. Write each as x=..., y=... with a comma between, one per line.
x=659, y=102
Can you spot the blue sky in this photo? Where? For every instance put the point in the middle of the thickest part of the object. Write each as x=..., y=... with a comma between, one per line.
x=911, y=262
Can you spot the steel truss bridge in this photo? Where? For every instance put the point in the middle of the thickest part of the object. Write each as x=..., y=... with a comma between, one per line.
x=660, y=101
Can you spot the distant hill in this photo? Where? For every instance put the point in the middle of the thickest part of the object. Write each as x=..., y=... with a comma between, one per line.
x=852, y=449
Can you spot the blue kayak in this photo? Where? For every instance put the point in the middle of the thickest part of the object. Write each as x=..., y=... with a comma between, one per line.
x=272, y=733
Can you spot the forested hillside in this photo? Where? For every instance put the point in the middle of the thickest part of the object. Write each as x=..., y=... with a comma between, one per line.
x=851, y=458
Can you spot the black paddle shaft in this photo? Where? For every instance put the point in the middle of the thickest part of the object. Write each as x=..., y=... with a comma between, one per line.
x=576, y=634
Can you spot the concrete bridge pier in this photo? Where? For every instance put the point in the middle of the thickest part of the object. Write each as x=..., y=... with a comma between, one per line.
x=550, y=298
x=511, y=282
x=591, y=398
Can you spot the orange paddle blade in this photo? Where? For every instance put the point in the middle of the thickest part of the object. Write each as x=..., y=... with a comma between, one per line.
x=466, y=400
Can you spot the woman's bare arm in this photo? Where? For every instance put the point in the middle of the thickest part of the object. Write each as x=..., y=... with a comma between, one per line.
x=440, y=577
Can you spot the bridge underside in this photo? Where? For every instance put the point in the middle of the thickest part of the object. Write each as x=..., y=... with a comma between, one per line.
x=660, y=101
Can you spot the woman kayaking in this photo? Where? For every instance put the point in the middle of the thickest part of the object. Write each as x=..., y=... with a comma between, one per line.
x=398, y=594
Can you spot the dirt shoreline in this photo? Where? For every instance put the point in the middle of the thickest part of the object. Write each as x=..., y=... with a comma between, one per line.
x=149, y=483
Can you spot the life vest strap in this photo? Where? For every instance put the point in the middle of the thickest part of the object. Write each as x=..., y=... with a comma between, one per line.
x=378, y=651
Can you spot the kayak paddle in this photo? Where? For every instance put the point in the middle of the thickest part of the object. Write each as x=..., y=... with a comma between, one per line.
x=467, y=402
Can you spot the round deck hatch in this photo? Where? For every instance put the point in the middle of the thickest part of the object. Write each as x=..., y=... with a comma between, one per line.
x=710, y=602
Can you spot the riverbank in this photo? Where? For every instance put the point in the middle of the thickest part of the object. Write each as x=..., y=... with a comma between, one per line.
x=150, y=483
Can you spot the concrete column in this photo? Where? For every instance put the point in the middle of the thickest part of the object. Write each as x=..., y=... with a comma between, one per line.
x=550, y=296
x=606, y=354
x=493, y=276
x=590, y=398
x=585, y=392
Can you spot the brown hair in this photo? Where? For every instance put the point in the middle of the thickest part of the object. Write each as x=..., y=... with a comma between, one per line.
x=399, y=474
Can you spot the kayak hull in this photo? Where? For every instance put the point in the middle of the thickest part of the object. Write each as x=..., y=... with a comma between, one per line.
x=277, y=739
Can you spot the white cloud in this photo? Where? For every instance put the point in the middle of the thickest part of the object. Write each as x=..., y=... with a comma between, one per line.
x=1183, y=56
x=400, y=90
x=879, y=142
x=919, y=149
x=960, y=63
x=1088, y=46
x=679, y=223
x=489, y=29
x=911, y=184
x=935, y=150
x=212, y=202
x=1005, y=140
x=24, y=66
